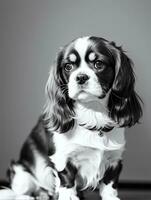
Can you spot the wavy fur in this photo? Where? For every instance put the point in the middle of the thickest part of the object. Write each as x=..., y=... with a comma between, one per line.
x=59, y=107
x=124, y=103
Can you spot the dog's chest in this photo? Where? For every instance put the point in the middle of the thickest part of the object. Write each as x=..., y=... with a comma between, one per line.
x=85, y=149
x=92, y=115
x=82, y=149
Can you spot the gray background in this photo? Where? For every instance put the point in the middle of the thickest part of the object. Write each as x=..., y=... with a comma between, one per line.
x=31, y=31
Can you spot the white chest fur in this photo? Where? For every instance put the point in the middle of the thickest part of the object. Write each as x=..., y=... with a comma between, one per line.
x=87, y=149
x=92, y=114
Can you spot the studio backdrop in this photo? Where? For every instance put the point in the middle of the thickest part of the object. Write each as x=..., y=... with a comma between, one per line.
x=31, y=32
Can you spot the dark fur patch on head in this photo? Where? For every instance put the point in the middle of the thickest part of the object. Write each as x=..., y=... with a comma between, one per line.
x=124, y=103
x=103, y=54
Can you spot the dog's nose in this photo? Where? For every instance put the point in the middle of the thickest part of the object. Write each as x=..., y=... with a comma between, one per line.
x=82, y=78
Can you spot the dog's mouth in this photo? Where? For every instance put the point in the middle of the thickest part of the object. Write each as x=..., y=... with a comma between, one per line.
x=86, y=92
x=85, y=96
x=81, y=94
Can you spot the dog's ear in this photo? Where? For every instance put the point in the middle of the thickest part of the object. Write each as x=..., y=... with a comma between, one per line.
x=59, y=107
x=124, y=103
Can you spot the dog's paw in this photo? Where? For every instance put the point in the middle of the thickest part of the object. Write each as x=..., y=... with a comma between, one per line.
x=107, y=192
x=24, y=197
x=68, y=197
x=73, y=197
x=110, y=198
x=67, y=194
x=42, y=195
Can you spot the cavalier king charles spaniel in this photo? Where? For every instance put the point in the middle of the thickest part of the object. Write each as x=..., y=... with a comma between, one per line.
x=79, y=140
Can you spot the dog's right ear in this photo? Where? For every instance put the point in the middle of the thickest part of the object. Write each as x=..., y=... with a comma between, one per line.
x=124, y=103
x=59, y=107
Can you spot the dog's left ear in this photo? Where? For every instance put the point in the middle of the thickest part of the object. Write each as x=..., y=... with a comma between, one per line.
x=58, y=112
x=124, y=103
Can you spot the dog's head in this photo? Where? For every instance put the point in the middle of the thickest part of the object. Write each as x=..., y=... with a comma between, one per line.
x=87, y=69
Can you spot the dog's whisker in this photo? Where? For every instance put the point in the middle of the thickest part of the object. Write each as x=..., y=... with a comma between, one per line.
x=65, y=90
x=63, y=85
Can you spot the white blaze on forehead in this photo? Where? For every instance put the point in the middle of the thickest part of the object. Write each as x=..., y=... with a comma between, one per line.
x=93, y=87
x=81, y=46
x=72, y=57
x=92, y=56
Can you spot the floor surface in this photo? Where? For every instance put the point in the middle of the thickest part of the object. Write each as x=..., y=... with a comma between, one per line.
x=123, y=194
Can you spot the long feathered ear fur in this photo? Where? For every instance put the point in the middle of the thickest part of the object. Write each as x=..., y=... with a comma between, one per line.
x=59, y=107
x=124, y=103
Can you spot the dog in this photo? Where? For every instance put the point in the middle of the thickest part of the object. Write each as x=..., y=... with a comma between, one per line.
x=79, y=140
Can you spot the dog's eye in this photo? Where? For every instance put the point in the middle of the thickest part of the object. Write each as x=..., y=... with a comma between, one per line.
x=99, y=65
x=68, y=67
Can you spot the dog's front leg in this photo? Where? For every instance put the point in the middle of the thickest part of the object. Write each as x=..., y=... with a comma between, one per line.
x=108, y=187
x=67, y=177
